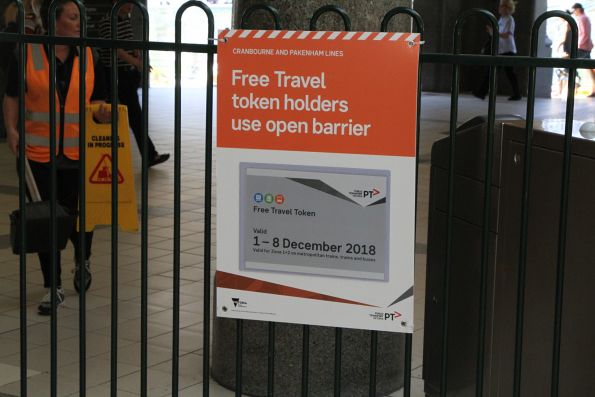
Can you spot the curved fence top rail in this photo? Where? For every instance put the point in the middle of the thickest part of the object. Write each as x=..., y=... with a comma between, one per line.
x=211, y=48
x=272, y=11
x=330, y=8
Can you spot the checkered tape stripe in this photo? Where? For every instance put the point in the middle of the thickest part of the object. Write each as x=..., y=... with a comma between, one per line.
x=309, y=35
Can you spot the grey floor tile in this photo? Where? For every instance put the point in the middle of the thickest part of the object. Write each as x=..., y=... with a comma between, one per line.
x=98, y=371
x=131, y=330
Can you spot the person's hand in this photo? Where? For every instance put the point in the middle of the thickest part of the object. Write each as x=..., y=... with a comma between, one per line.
x=489, y=30
x=12, y=139
x=103, y=115
x=139, y=65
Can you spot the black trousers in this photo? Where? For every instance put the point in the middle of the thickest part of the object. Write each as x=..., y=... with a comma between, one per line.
x=514, y=82
x=67, y=192
x=128, y=83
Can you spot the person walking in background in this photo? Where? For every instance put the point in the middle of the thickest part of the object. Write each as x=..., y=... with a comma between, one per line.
x=585, y=44
x=564, y=48
x=9, y=24
x=506, y=46
x=130, y=67
x=37, y=128
x=32, y=20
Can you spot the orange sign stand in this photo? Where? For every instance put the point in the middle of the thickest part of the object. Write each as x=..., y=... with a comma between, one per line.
x=99, y=173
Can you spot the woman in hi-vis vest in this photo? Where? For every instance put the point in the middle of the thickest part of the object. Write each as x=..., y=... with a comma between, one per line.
x=37, y=127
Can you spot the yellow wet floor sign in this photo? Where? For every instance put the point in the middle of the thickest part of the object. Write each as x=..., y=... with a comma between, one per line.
x=99, y=173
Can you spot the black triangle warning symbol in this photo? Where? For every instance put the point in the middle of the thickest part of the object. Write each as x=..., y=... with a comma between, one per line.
x=102, y=174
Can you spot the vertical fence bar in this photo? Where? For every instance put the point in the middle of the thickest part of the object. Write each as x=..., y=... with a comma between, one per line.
x=144, y=291
x=419, y=24
x=53, y=198
x=485, y=233
x=272, y=11
x=239, y=356
x=305, y=359
x=271, y=325
x=562, y=228
x=409, y=337
x=451, y=182
x=114, y=209
x=145, y=204
x=518, y=351
x=451, y=174
x=82, y=274
x=446, y=281
x=527, y=181
x=338, y=332
x=407, y=366
x=144, y=198
x=338, y=348
x=178, y=185
x=271, y=361
x=207, y=221
x=208, y=192
x=373, y=362
x=175, y=361
x=22, y=59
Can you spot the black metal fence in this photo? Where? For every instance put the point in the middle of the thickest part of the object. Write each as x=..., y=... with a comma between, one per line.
x=456, y=60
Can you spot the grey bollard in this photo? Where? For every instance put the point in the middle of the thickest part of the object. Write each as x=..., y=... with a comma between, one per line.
x=355, y=359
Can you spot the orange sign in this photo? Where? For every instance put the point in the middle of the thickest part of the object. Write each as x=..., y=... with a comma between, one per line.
x=337, y=92
x=316, y=146
x=102, y=174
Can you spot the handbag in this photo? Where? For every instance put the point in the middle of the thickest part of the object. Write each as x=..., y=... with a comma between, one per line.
x=38, y=222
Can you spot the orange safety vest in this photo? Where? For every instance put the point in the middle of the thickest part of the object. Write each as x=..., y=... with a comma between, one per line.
x=37, y=114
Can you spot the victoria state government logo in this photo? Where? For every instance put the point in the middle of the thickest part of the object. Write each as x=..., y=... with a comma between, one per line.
x=238, y=303
x=385, y=316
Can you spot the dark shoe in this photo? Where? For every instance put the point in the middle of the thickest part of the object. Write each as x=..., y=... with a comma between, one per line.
x=88, y=277
x=515, y=98
x=480, y=96
x=158, y=159
x=45, y=306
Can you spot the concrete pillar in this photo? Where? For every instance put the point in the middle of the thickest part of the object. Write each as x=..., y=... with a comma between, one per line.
x=355, y=367
x=355, y=370
x=365, y=15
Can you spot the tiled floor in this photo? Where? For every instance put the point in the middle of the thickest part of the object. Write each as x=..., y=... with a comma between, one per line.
x=435, y=115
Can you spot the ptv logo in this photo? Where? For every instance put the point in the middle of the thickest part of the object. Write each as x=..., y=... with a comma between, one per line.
x=371, y=193
x=392, y=316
